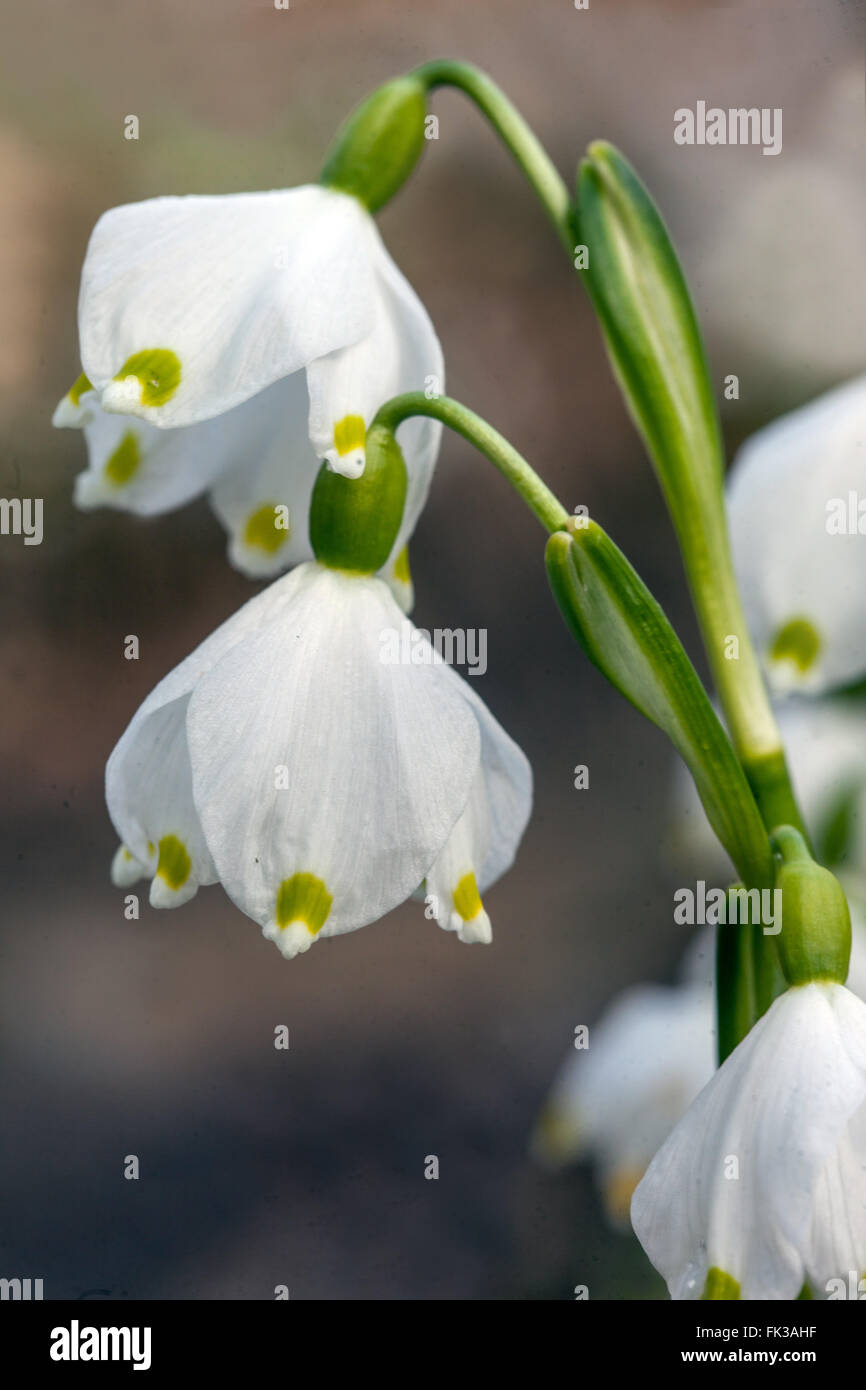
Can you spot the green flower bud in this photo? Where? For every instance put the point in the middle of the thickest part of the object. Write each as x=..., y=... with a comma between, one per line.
x=354, y=521
x=378, y=147
x=815, y=941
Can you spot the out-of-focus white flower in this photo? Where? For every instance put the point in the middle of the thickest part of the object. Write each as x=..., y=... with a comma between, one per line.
x=761, y=1187
x=825, y=741
x=797, y=510
x=617, y=1100
x=318, y=783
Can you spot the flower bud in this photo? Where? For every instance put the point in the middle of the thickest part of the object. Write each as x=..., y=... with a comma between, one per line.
x=815, y=941
x=354, y=521
x=378, y=147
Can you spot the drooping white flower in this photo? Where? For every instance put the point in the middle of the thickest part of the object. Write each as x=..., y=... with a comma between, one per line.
x=762, y=1185
x=797, y=509
x=320, y=784
x=231, y=343
x=616, y=1100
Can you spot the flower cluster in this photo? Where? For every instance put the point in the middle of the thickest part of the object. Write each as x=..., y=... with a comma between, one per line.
x=241, y=346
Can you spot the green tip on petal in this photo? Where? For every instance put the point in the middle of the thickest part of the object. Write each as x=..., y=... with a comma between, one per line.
x=467, y=899
x=78, y=388
x=350, y=433
x=174, y=862
x=158, y=373
x=799, y=642
x=123, y=464
x=261, y=531
x=303, y=898
x=402, y=571
x=719, y=1286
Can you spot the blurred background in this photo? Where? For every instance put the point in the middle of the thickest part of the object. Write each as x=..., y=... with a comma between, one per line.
x=155, y=1037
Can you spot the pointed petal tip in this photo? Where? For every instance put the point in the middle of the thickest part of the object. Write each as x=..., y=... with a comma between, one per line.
x=478, y=931
x=292, y=940
x=126, y=869
x=162, y=895
x=70, y=416
x=347, y=465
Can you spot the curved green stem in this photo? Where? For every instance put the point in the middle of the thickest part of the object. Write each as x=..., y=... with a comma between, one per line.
x=495, y=447
x=515, y=134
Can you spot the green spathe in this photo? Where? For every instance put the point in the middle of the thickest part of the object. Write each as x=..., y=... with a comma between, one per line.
x=625, y=633
x=354, y=521
x=379, y=145
x=815, y=941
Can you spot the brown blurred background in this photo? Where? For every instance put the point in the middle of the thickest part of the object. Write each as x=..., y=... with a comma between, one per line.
x=156, y=1038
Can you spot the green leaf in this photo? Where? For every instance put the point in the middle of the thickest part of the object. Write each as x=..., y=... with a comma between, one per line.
x=626, y=635
x=640, y=295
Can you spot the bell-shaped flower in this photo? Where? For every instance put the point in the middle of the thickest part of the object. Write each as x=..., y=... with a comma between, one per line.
x=761, y=1188
x=625, y=1084
x=320, y=781
x=797, y=509
x=231, y=343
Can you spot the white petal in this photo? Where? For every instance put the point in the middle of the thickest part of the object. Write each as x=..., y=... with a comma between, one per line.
x=773, y=1115
x=838, y=1239
x=618, y=1099
x=75, y=409
x=149, y=794
x=783, y=486
x=264, y=502
x=148, y=782
x=483, y=843
x=135, y=467
x=312, y=756
x=397, y=574
x=126, y=869
x=347, y=387
x=243, y=289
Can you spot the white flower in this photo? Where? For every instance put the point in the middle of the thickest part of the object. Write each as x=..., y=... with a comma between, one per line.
x=762, y=1185
x=618, y=1099
x=319, y=783
x=797, y=509
x=231, y=343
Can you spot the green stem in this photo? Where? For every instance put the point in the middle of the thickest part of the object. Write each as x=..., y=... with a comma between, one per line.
x=703, y=535
x=512, y=465
x=514, y=133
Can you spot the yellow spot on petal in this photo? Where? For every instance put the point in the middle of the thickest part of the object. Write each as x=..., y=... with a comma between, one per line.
x=174, y=862
x=303, y=898
x=618, y=1191
x=349, y=433
x=262, y=531
x=720, y=1285
x=402, y=572
x=799, y=642
x=467, y=899
x=78, y=388
x=122, y=466
x=158, y=372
